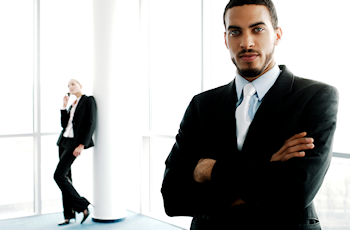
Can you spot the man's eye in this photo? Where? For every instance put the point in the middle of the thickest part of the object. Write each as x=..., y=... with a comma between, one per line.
x=258, y=29
x=234, y=32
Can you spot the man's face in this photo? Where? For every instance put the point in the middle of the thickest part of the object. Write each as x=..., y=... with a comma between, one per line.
x=251, y=39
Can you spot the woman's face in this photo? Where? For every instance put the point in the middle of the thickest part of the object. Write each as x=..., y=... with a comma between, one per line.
x=74, y=87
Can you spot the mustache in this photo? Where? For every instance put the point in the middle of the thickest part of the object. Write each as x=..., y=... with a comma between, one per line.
x=248, y=51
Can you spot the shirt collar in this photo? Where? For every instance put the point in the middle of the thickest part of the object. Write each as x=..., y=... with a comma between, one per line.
x=262, y=84
x=78, y=99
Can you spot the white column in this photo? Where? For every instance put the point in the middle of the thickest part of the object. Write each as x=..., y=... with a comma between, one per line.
x=37, y=106
x=115, y=90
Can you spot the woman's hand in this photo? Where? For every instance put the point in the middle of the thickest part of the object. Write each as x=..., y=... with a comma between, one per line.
x=77, y=151
x=65, y=101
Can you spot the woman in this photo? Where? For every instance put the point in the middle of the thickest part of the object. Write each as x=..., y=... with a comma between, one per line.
x=78, y=123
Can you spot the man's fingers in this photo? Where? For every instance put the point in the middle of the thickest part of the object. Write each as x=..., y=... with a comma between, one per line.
x=298, y=148
x=237, y=202
x=202, y=159
x=293, y=147
x=303, y=140
x=296, y=151
x=291, y=155
x=296, y=142
x=289, y=142
x=202, y=171
x=296, y=136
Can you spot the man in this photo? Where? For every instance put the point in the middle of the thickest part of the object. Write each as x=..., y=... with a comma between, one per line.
x=252, y=154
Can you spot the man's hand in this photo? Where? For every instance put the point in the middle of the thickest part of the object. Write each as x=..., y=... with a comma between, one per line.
x=78, y=150
x=294, y=147
x=237, y=202
x=202, y=172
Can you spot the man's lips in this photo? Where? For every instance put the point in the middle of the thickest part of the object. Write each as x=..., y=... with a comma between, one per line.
x=248, y=57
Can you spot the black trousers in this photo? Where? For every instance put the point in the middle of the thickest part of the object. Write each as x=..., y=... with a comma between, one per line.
x=72, y=201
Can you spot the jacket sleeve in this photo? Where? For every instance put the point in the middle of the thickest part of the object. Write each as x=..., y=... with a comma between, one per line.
x=64, y=118
x=290, y=185
x=182, y=195
x=89, y=125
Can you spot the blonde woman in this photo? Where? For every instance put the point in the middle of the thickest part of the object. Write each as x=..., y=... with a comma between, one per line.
x=78, y=123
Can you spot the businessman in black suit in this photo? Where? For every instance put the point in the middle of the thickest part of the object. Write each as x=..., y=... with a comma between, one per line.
x=78, y=125
x=258, y=169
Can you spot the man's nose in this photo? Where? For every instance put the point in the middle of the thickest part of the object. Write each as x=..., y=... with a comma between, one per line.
x=247, y=42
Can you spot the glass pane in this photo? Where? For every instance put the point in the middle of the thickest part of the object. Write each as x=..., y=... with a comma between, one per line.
x=51, y=194
x=160, y=149
x=66, y=52
x=175, y=60
x=82, y=175
x=16, y=168
x=16, y=66
x=333, y=199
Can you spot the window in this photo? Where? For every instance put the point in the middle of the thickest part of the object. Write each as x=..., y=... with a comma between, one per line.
x=66, y=52
x=16, y=66
x=16, y=91
x=16, y=168
x=66, y=46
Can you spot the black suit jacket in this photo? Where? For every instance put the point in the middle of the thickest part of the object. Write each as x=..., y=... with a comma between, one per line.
x=84, y=121
x=278, y=195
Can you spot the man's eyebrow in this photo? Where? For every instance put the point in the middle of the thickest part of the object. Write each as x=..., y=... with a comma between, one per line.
x=256, y=24
x=234, y=27
x=239, y=28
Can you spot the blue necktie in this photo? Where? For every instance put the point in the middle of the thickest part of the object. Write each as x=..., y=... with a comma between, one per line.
x=243, y=120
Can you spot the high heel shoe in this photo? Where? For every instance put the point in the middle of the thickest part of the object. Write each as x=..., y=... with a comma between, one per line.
x=65, y=222
x=85, y=215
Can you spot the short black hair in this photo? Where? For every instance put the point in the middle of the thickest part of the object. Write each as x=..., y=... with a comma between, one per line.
x=268, y=3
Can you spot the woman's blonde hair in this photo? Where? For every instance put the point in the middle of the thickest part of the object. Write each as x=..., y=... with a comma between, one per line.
x=76, y=82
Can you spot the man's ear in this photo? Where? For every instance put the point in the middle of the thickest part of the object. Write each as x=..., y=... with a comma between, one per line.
x=278, y=35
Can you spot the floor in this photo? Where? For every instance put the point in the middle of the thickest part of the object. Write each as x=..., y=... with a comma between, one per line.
x=133, y=221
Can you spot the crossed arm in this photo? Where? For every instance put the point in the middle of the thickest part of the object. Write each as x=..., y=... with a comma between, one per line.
x=293, y=147
x=185, y=184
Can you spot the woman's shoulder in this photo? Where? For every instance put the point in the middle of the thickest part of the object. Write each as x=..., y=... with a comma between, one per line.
x=90, y=98
x=87, y=99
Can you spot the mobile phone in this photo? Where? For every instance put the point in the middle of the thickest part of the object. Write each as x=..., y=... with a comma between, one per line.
x=68, y=94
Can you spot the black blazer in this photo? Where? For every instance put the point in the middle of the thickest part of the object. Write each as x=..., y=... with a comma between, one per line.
x=84, y=121
x=277, y=194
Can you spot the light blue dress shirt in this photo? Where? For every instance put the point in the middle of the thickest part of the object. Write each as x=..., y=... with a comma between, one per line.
x=262, y=84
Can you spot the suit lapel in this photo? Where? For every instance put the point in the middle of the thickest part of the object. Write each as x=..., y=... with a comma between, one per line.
x=270, y=108
x=226, y=107
x=83, y=97
x=69, y=109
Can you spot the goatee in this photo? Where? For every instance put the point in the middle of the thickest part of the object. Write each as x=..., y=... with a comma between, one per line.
x=250, y=72
x=253, y=72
